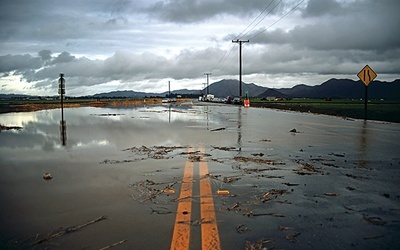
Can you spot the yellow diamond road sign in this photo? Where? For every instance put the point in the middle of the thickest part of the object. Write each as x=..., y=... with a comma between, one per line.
x=367, y=75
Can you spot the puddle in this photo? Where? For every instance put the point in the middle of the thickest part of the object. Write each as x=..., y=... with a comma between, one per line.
x=332, y=183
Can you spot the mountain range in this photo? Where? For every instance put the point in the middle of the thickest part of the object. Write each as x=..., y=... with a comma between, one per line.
x=333, y=88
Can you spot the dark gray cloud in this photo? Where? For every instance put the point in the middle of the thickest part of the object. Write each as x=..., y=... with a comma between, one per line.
x=367, y=26
x=19, y=63
x=99, y=44
x=187, y=11
x=317, y=8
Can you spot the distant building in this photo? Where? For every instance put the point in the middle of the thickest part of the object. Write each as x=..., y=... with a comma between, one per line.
x=270, y=98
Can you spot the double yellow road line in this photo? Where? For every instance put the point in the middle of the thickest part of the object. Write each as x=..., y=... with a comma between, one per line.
x=208, y=222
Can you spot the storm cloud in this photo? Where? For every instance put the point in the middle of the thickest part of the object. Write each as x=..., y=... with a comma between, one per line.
x=140, y=45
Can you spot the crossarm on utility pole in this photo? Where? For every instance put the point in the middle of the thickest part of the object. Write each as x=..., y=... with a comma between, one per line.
x=240, y=42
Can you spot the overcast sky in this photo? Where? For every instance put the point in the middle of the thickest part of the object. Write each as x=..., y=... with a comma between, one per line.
x=108, y=45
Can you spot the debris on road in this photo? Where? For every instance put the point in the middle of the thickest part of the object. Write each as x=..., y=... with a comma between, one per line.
x=373, y=236
x=231, y=179
x=290, y=184
x=291, y=237
x=240, y=229
x=145, y=193
x=331, y=194
x=195, y=156
x=225, y=148
x=337, y=155
x=259, y=245
x=47, y=176
x=155, y=152
x=160, y=210
x=60, y=232
x=282, y=228
x=309, y=169
x=114, y=244
x=256, y=160
x=217, y=129
x=374, y=220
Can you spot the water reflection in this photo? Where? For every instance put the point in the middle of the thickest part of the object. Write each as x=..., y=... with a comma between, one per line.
x=105, y=127
x=363, y=162
x=169, y=113
x=63, y=128
x=63, y=132
x=239, y=136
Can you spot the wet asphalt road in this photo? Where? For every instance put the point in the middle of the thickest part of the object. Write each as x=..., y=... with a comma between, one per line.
x=331, y=184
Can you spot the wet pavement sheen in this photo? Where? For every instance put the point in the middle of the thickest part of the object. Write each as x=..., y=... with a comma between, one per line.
x=333, y=183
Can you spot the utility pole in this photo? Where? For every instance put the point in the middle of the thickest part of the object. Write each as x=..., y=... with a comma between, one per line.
x=208, y=75
x=169, y=90
x=240, y=42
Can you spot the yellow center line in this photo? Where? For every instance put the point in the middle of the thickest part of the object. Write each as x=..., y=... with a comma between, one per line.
x=209, y=228
x=181, y=235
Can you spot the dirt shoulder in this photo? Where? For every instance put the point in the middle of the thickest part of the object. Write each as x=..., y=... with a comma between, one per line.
x=26, y=106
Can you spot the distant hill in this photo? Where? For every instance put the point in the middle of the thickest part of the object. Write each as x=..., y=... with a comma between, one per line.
x=15, y=96
x=139, y=95
x=333, y=88
x=122, y=94
x=183, y=92
x=345, y=89
x=273, y=93
x=226, y=88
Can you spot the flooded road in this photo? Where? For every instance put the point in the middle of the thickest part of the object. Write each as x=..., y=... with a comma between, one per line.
x=278, y=179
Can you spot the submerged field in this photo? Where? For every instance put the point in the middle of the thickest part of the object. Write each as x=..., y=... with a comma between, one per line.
x=377, y=110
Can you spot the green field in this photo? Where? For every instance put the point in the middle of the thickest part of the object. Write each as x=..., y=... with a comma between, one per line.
x=377, y=110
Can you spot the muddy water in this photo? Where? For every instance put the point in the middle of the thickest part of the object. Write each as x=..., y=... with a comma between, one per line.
x=331, y=184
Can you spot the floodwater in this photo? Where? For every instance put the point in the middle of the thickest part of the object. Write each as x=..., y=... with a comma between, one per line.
x=331, y=184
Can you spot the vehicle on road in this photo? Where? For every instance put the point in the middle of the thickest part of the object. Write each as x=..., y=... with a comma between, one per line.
x=236, y=100
x=228, y=99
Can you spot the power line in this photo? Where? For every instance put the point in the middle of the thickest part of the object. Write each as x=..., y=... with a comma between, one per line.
x=224, y=57
x=261, y=19
x=239, y=36
x=229, y=51
x=263, y=30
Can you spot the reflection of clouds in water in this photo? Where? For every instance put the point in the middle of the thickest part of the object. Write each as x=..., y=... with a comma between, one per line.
x=92, y=143
x=362, y=162
x=18, y=119
x=98, y=127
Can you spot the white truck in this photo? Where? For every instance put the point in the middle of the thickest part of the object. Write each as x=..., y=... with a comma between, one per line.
x=209, y=98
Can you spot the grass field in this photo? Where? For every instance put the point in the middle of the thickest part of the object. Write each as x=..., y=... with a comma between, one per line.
x=377, y=110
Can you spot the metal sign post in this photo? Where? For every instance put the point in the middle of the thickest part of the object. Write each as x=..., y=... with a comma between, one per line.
x=61, y=89
x=63, y=123
x=366, y=75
